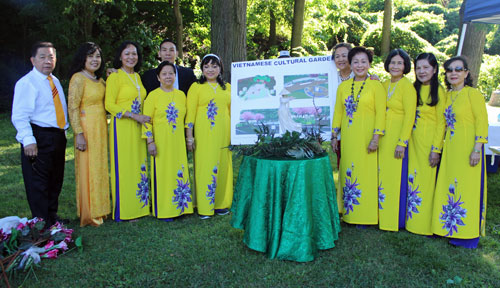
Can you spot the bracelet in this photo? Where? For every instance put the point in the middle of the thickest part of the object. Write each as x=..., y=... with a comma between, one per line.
x=189, y=140
x=476, y=151
x=334, y=137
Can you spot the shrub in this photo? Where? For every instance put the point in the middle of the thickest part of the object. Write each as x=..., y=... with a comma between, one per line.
x=372, y=17
x=401, y=37
x=489, y=79
x=426, y=25
x=354, y=27
x=431, y=8
x=493, y=41
x=448, y=45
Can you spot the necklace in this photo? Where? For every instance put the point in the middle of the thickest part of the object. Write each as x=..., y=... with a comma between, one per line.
x=359, y=92
x=89, y=75
x=344, y=78
x=453, y=99
x=136, y=83
x=389, y=92
x=213, y=88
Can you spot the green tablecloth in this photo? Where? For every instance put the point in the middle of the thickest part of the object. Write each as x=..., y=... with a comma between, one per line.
x=287, y=208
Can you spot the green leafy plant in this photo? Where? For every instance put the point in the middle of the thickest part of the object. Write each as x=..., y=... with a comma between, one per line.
x=290, y=145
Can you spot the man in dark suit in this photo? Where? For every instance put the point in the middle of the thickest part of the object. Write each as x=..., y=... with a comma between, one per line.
x=184, y=76
x=39, y=113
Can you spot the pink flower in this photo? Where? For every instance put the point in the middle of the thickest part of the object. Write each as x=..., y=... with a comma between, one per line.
x=247, y=116
x=259, y=116
x=52, y=254
x=20, y=226
x=33, y=221
x=49, y=245
x=62, y=245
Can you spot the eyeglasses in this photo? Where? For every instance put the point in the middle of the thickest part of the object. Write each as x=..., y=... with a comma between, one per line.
x=457, y=69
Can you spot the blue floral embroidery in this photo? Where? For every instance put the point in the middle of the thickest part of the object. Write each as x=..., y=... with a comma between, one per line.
x=172, y=114
x=119, y=115
x=351, y=193
x=212, y=186
x=182, y=193
x=211, y=112
x=149, y=134
x=413, y=200
x=401, y=141
x=190, y=125
x=350, y=107
x=143, y=191
x=336, y=130
x=417, y=116
x=378, y=131
x=449, y=115
x=452, y=214
x=381, y=196
x=481, y=137
x=435, y=149
x=136, y=107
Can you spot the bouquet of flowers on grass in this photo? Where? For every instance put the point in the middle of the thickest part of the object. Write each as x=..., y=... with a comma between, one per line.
x=24, y=243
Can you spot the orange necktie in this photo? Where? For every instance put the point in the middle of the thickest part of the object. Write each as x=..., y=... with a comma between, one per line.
x=61, y=121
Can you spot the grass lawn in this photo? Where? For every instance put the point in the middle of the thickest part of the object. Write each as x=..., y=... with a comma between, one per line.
x=193, y=253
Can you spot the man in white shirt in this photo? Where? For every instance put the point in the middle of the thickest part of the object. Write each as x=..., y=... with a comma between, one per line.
x=39, y=114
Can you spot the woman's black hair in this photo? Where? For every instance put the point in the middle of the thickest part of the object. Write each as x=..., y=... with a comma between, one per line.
x=214, y=60
x=434, y=80
x=117, y=62
x=163, y=64
x=78, y=63
x=403, y=54
x=468, y=79
x=358, y=50
x=340, y=45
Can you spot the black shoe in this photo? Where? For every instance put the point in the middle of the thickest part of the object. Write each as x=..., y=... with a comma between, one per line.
x=63, y=221
x=222, y=212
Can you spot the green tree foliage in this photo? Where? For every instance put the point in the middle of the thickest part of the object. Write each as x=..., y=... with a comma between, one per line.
x=402, y=37
x=493, y=41
x=426, y=25
x=436, y=9
x=489, y=79
x=448, y=45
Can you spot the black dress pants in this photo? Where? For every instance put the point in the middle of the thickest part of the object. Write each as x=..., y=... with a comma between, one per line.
x=43, y=175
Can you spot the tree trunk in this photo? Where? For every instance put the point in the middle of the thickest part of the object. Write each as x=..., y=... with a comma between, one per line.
x=272, y=28
x=298, y=24
x=179, y=29
x=473, y=47
x=386, y=29
x=228, y=33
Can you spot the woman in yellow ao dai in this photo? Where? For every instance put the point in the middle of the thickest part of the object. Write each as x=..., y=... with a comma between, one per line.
x=393, y=159
x=88, y=119
x=208, y=113
x=171, y=190
x=128, y=156
x=360, y=117
x=425, y=145
x=460, y=197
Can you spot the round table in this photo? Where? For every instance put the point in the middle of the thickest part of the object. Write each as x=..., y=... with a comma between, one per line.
x=288, y=208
